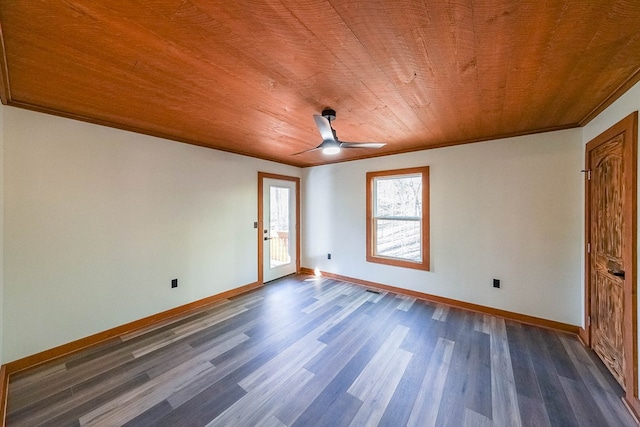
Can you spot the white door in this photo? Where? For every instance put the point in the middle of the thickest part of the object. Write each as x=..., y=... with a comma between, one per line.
x=279, y=231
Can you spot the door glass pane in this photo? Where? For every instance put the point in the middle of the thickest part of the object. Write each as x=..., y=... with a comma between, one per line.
x=398, y=239
x=279, y=226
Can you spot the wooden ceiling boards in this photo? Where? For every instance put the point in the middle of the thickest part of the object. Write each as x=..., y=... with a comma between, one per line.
x=247, y=77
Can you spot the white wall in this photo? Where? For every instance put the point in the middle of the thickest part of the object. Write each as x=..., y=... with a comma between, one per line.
x=508, y=209
x=98, y=221
x=625, y=105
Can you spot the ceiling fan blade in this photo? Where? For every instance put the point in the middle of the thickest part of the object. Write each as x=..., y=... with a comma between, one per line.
x=324, y=126
x=362, y=144
x=308, y=151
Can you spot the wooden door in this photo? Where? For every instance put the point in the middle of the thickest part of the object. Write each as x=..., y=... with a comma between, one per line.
x=608, y=267
x=611, y=252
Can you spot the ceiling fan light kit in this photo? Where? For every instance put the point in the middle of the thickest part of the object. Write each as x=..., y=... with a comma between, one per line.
x=330, y=147
x=330, y=142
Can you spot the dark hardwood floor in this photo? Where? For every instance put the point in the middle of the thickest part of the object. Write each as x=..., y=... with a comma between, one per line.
x=306, y=352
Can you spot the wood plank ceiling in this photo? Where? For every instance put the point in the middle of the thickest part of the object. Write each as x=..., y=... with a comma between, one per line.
x=247, y=77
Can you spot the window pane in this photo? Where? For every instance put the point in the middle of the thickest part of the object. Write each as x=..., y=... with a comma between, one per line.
x=279, y=227
x=398, y=196
x=398, y=239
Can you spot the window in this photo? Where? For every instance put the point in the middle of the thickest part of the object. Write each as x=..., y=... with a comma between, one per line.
x=398, y=217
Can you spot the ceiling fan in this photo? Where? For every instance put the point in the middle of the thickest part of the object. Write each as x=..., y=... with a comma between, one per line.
x=330, y=142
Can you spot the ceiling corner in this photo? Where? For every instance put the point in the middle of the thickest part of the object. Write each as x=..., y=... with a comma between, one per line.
x=5, y=93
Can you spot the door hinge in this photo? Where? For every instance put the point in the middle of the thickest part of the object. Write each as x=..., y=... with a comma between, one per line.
x=588, y=320
x=588, y=248
x=588, y=172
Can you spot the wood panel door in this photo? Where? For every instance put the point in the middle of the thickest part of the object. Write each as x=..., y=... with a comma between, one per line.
x=611, y=187
x=608, y=266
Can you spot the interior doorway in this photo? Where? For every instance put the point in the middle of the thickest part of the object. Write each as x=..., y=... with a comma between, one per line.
x=610, y=230
x=278, y=226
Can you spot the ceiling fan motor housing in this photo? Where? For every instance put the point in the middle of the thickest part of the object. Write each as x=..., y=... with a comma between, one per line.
x=329, y=114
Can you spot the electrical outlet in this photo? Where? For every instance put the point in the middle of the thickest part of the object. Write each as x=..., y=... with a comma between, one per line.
x=328, y=256
x=174, y=283
x=496, y=283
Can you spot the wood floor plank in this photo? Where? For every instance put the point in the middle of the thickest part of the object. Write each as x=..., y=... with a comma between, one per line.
x=584, y=407
x=201, y=382
x=427, y=405
x=98, y=365
x=376, y=399
x=377, y=298
x=340, y=413
x=261, y=403
x=372, y=374
x=603, y=394
x=354, y=320
x=457, y=387
x=553, y=396
x=59, y=381
x=131, y=404
x=214, y=336
x=74, y=408
x=23, y=379
x=482, y=323
x=478, y=398
x=474, y=419
x=345, y=338
x=503, y=392
x=306, y=351
x=406, y=304
x=172, y=322
x=183, y=331
x=204, y=407
x=398, y=409
x=271, y=338
x=290, y=360
x=352, y=306
x=524, y=375
x=441, y=313
x=583, y=363
x=533, y=412
x=344, y=361
x=329, y=297
x=151, y=416
x=271, y=421
x=615, y=410
x=561, y=360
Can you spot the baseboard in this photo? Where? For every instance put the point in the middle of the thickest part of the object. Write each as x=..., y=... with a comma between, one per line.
x=633, y=405
x=522, y=318
x=82, y=343
x=583, y=336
